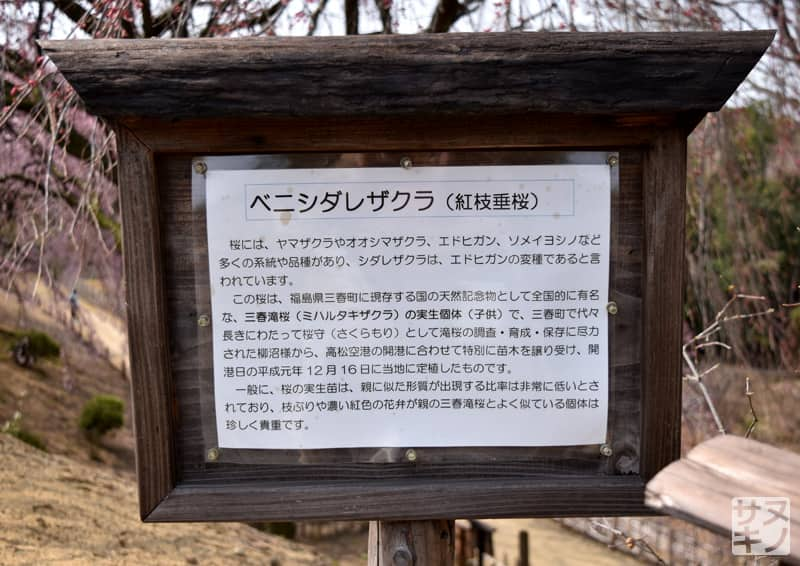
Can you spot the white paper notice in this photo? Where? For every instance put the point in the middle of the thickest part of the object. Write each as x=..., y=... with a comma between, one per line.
x=434, y=306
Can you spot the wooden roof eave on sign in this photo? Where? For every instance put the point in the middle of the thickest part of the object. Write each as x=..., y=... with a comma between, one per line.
x=449, y=74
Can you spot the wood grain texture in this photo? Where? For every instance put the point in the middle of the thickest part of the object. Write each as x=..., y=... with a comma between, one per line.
x=699, y=488
x=662, y=324
x=330, y=483
x=411, y=543
x=192, y=354
x=418, y=132
x=445, y=482
x=151, y=389
x=399, y=500
x=383, y=75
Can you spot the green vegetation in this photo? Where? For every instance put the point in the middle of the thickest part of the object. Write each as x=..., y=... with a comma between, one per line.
x=14, y=428
x=742, y=230
x=28, y=437
x=284, y=529
x=39, y=344
x=42, y=345
x=101, y=414
x=7, y=339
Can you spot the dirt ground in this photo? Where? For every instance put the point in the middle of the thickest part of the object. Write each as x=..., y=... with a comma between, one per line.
x=76, y=504
x=50, y=395
x=550, y=543
x=59, y=511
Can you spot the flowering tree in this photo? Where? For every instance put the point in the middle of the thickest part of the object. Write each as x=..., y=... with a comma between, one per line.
x=59, y=208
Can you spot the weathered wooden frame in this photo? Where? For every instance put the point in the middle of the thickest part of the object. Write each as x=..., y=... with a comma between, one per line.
x=639, y=94
x=192, y=292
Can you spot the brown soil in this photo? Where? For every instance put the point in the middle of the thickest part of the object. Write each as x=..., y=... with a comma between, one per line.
x=57, y=510
x=79, y=506
x=77, y=503
x=551, y=543
x=51, y=394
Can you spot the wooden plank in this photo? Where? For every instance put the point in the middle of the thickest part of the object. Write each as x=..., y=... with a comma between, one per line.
x=524, y=552
x=344, y=483
x=411, y=543
x=191, y=354
x=700, y=487
x=327, y=499
x=382, y=75
x=625, y=336
x=151, y=391
x=751, y=460
x=421, y=133
x=662, y=311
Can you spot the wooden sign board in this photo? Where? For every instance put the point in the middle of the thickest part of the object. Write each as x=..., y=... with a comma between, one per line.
x=412, y=119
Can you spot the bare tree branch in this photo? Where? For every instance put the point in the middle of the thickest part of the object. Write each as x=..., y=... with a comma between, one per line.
x=385, y=11
x=629, y=541
x=448, y=12
x=218, y=10
x=351, y=17
x=749, y=393
x=76, y=13
x=147, y=19
x=314, y=18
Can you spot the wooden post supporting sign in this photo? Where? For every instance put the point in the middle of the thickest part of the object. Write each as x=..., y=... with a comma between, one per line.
x=411, y=543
